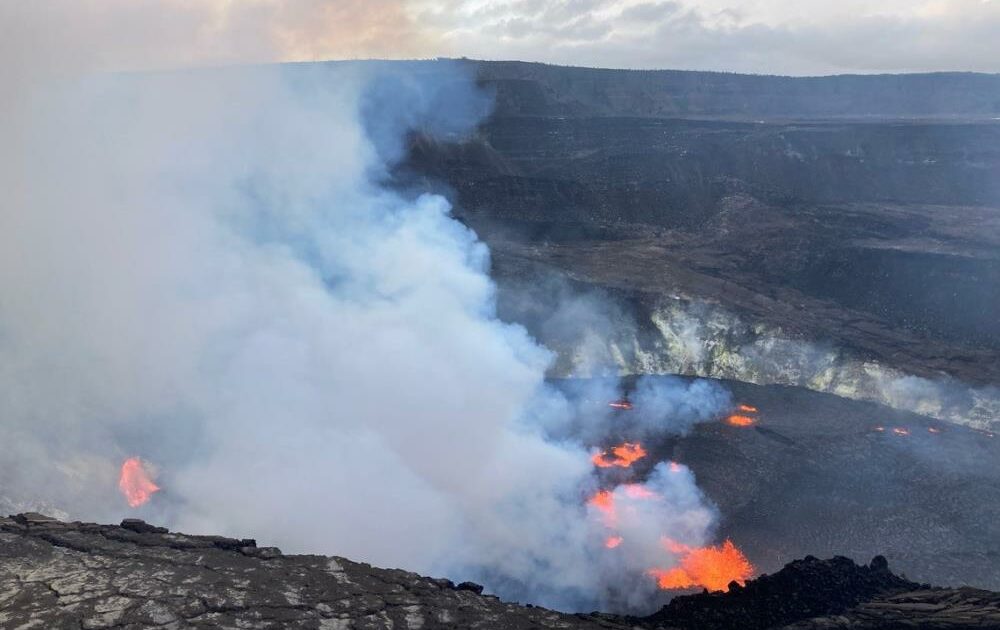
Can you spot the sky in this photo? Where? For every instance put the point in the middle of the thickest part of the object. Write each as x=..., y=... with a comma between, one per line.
x=760, y=36
x=797, y=37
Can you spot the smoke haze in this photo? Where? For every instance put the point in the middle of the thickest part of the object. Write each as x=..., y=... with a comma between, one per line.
x=203, y=269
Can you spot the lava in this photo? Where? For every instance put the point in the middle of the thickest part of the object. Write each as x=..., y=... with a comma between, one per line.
x=707, y=567
x=901, y=431
x=741, y=417
x=624, y=456
x=737, y=420
x=134, y=482
x=620, y=404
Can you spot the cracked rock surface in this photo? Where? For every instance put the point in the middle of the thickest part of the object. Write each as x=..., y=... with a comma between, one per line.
x=57, y=575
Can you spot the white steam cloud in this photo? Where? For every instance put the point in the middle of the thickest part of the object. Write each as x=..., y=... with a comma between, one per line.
x=202, y=268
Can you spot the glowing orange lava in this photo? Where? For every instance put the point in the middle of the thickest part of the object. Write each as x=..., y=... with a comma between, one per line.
x=134, y=482
x=613, y=541
x=675, y=467
x=624, y=456
x=708, y=567
x=737, y=420
x=620, y=404
x=747, y=408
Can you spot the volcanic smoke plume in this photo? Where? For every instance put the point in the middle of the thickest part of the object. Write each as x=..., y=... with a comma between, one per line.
x=205, y=269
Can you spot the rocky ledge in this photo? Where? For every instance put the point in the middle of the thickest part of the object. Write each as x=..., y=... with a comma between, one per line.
x=135, y=575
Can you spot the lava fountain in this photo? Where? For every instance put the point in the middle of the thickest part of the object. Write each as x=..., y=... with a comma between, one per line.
x=713, y=567
x=135, y=483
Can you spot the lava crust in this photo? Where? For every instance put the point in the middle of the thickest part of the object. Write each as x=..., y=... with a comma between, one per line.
x=81, y=575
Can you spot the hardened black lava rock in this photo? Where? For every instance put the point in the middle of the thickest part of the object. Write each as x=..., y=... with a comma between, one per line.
x=82, y=575
x=803, y=589
x=57, y=575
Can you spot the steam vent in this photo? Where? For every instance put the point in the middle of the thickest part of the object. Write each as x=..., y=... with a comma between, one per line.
x=500, y=314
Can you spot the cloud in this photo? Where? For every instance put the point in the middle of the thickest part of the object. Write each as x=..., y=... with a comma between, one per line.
x=766, y=36
x=762, y=36
x=114, y=35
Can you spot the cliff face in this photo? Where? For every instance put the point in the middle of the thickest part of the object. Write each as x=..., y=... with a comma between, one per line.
x=534, y=89
x=699, y=340
x=669, y=172
x=817, y=208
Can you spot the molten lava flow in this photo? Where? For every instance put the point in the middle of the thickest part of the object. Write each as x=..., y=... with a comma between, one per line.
x=741, y=419
x=620, y=404
x=613, y=541
x=624, y=456
x=901, y=431
x=134, y=482
x=737, y=420
x=708, y=567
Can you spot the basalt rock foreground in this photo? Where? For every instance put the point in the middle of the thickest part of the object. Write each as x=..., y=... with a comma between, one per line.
x=79, y=575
